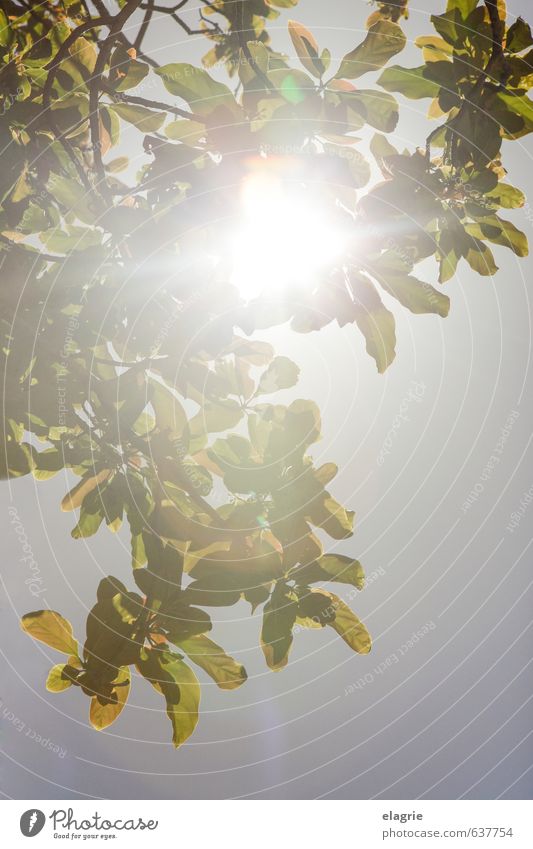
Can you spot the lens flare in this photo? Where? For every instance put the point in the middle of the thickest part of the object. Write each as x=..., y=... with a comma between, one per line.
x=284, y=237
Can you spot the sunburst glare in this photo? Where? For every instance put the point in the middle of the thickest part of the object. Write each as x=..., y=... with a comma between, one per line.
x=285, y=236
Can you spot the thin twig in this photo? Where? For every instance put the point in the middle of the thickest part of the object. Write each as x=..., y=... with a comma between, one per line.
x=115, y=27
x=121, y=97
x=144, y=26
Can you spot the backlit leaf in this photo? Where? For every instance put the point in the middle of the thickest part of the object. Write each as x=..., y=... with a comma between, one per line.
x=384, y=39
x=102, y=715
x=51, y=628
x=223, y=669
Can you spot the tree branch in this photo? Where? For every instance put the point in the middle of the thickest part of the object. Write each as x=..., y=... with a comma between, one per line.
x=144, y=26
x=115, y=27
x=52, y=68
x=121, y=97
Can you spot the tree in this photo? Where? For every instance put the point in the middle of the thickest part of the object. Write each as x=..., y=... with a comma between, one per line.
x=130, y=353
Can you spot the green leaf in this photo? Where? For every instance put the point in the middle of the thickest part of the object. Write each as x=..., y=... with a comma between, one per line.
x=501, y=232
x=449, y=26
x=279, y=616
x=88, y=524
x=223, y=669
x=315, y=608
x=51, y=628
x=282, y=373
x=417, y=296
x=375, y=322
x=5, y=29
x=188, y=132
x=85, y=53
x=377, y=108
x=127, y=73
x=102, y=712
x=519, y=105
x=326, y=513
x=247, y=72
x=56, y=682
x=349, y=627
x=73, y=196
x=481, y=259
x=331, y=567
x=34, y=219
x=217, y=416
x=518, y=36
x=506, y=196
x=294, y=86
x=77, y=239
x=465, y=7
x=410, y=82
x=144, y=119
x=178, y=684
x=194, y=85
x=384, y=39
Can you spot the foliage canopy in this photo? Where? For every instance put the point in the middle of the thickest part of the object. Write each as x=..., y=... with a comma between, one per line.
x=131, y=359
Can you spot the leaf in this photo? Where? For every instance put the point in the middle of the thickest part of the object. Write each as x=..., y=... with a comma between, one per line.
x=506, y=196
x=223, y=669
x=434, y=48
x=144, y=119
x=279, y=616
x=201, y=91
x=410, y=82
x=183, y=622
x=326, y=513
x=179, y=685
x=51, y=628
x=88, y=524
x=73, y=499
x=126, y=71
x=117, y=165
x=169, y=413
x=384, y=39
x=481, y=259
x=331, y=567
x=377, y=108
x=520, y=105
x=56, y=682
x=349, y=627
x=188, y=132
x=465, y=7
x=217, y=416
x=5, y=30
x=374, y=321
x=294, y=86
x=315, y=608
x=500, y=232
x=282, y=373
x=306, y=48
x=518, y=36
x=226, y=570
x=85, y=53
x=103, y=715
x=72, y=195
x=249, y=70
x=417, y=296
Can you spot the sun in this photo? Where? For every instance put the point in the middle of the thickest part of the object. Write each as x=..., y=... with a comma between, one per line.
x=285, y=235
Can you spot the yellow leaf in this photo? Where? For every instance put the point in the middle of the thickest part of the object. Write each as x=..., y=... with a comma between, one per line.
x=51, y=628
x=101, y=716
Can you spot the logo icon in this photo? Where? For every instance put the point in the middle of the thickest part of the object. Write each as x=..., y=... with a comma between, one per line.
x=32, y=822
